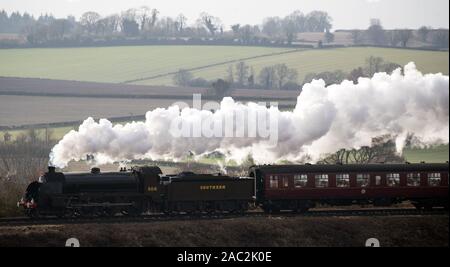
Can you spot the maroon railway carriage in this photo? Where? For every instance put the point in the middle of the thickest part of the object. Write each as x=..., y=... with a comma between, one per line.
x=300, y=187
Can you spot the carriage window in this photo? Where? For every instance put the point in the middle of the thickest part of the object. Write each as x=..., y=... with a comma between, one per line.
x=321, y=180
x=377, y=180
x=273, y=181
x=362, y=179
x=300, y=180
x=413, y=179
x=434, y=179
x=285, y=182
x=393, y=179
x=343, y=180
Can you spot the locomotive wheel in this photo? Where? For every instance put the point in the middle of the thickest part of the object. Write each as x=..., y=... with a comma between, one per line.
x=62, y=214
x=69, y=213
x=33, y=214
x=131, y=211
x=301, y=210
x=109, y=212
x=271, y=209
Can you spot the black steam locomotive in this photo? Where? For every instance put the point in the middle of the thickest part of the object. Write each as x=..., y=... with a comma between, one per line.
x=273, y=188
x=133, y=192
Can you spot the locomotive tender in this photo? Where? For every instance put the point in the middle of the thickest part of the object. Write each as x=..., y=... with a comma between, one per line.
x=271, y=187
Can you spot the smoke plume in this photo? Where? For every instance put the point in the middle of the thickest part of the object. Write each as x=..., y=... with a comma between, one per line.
x=324, y=120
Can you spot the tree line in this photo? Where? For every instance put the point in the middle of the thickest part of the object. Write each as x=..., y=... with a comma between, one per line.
x=281, y=77
x=145, y=22
x=382, y=150
x=377, y=35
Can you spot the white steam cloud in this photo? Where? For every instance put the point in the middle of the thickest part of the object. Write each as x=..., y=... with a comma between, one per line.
x=324, y=120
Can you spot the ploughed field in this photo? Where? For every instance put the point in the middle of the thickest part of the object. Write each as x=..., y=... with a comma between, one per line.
x=26, y=101
x=242, y=232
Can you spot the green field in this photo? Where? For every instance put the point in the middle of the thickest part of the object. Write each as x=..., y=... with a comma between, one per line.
x=117, y=64
x=120, y=64
x=344, y=59
x=434, y=154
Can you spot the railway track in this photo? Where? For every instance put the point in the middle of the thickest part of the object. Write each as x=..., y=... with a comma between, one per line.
x=24, y=221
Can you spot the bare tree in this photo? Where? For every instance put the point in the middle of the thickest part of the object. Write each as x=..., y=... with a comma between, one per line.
x=242, y=71
x=423, y=33
x=130, y=14
x=318, y=21
x=267, y=77
x=235, y=28
x=154, y=18
x=130, y=27
x=181, y=21
x=290, y=30
x=182, y=77
x=284, y=75
x=89, y=19
x=21, y=161
x=59, y=27
x=113, y=23
x=376, y=32
x=7, y=137
x=382, y=149
x=143, y=15
x=373, y=65
x=246, y=33
x=404, y=36
x=272, y=26
x=251, y=78
x=211, y=23
x=230, y=74
x=102, y=27
x=298, y=19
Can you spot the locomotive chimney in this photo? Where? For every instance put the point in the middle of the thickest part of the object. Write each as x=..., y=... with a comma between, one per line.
x=51, y=169
x=95, y=170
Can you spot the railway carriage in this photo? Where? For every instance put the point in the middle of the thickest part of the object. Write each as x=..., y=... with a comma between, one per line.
x=300, y=187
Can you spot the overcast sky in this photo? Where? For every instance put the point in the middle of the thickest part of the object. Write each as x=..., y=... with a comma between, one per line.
x=346, y=14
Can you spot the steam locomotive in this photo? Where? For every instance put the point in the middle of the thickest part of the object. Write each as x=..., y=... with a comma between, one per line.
x=273, y=188
x=133, y=192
